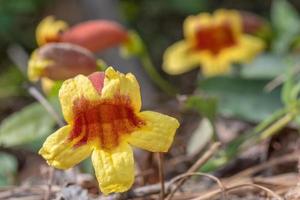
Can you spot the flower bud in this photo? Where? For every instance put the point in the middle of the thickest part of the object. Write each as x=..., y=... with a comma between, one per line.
x=95, y=35
x=60, y=61
x=252, y=23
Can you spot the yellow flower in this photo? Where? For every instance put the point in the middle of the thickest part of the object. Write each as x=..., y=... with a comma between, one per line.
x=49, y=29
x=104, y=119
x=213, y=41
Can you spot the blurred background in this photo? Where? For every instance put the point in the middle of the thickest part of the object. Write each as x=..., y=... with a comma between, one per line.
x=233, y=105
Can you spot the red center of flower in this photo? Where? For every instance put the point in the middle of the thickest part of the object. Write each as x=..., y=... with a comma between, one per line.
x=105, y=121
x=51, y=39
x=214, y=38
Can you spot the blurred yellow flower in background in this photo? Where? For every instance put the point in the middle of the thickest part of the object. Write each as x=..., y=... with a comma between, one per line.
x=104, y=119
x=214, y=41
x=48, y=30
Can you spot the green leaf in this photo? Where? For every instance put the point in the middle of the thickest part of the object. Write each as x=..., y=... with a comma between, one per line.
x=8, y=169
x=206, y=106
x=200, y=137
x=31, y=123
x=266, y=66
x=286, y=22
x=242, y=98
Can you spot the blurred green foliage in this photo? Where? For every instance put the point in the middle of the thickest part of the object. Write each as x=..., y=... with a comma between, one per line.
x=286, y=23
x=242, y=98
x=27, y=125
x=17, y=20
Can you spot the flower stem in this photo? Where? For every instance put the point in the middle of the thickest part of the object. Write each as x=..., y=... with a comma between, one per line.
x=154, y=74
x=161, y=175
x=276, y=127
x=268, y=127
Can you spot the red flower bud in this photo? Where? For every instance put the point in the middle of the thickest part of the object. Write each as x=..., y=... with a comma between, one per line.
x=252, y=23
x=95, y=35
x=60, y=61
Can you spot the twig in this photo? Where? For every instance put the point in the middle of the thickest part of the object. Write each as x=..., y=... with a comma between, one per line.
x=228, y=189
x=49, y=184
x=256, y=186
x=277, y=81
x=161, y=175
x=19, y=57
x=217, y=180
x=203, y=159
x=45, y=103
x=275, y=161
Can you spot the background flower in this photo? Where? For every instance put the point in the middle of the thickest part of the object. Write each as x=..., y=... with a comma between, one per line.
x=212, y=41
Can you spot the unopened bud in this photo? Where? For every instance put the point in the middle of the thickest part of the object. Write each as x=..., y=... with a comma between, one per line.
x=60, y=61
x=95, y=35
x=254, y=24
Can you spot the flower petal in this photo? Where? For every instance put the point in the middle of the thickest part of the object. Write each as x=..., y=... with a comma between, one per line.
x=245, y=50
x=71, y=90
x=157, y=135
x=49, y=29
x=231, y=16
x=191, y=24
x=116, y=83
x=220, y=16
x=60, y=152
x=179, y=59
x=114, y=169
x=37, y=66
x=214, y=65
x=250, y=46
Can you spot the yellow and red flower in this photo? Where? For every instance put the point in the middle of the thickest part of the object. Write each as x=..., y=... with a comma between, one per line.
x=104, y=119
x=212, y=41
x=94, y=35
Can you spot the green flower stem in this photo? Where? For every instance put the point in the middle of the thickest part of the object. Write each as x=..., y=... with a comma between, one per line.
x=232, y=149
x=276, y=127
x=154, y=75
x=135, y=46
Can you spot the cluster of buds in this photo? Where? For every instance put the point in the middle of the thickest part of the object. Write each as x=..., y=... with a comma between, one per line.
x=65, y=51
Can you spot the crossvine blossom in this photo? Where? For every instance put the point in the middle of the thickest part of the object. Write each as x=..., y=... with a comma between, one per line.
x=104, y=120
x=213, y=41
x=94, y=35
